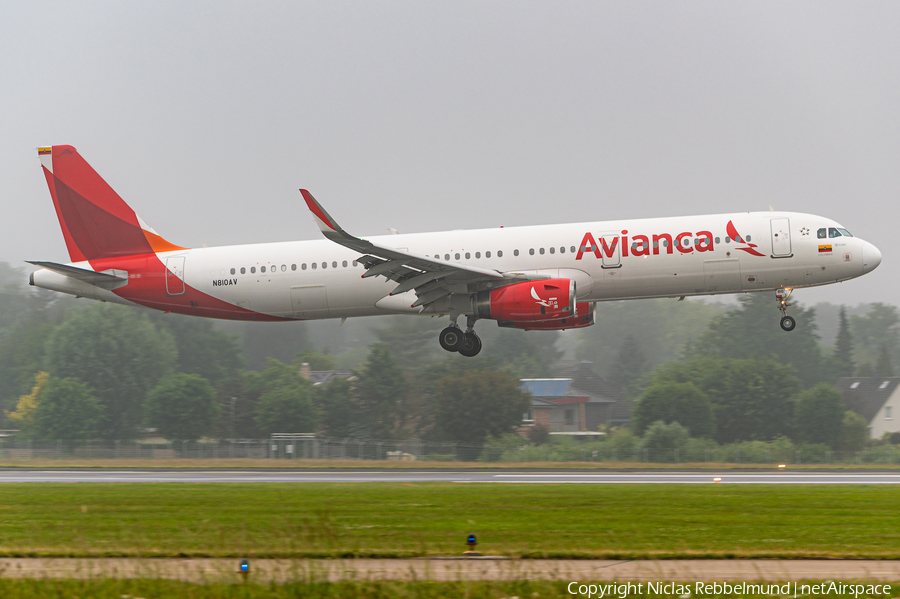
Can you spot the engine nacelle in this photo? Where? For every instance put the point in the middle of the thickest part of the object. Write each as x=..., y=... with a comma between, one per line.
x=586, y=316
x=528, y=301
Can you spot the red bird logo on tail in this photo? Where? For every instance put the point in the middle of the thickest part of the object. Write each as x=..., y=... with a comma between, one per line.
x=732, y=232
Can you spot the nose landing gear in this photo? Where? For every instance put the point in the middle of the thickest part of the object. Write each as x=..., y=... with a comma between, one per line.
x=787, y=322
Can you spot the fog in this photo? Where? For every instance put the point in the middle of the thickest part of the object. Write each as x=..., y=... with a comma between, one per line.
x=208, y=116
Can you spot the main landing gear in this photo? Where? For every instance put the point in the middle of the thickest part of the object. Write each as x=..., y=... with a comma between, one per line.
x=467, y=343
x=787, y=322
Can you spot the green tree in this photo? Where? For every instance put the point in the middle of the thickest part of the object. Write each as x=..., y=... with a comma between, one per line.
x=630, y=364
x=751, y=399
x=23, y=417
x=202, y=349
x=317, y=362
x=381, y=401
x=819, y=414
x=854, y=432
x=843, y=349
x=879, y=326
x=661, y=439
x=413, y=341
x=524, y=354
x=662, y=326
x=119, y=353
x=473, y=405
x=285, y=405
x=182, y=407
x=66, y=409
x=884, y=367
x=671, y=402
x=752, y=331
x=336, y=409
x=238, y=398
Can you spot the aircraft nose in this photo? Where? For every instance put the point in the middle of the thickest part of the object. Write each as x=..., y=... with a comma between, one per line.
x=871, y=257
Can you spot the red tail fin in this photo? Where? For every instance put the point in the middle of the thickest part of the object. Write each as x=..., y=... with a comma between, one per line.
x=95, y=221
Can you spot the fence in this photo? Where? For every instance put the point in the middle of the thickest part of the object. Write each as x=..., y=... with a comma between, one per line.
x=287, y=447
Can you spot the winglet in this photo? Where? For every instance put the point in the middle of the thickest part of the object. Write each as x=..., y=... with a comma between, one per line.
x=323, y=219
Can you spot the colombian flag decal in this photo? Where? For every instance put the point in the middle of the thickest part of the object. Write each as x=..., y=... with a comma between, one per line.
x=824, y=249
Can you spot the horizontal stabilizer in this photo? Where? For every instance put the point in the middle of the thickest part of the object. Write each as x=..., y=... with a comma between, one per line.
x=101, y=279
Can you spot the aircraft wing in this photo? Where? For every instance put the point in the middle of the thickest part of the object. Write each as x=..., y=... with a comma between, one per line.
x=431, y=278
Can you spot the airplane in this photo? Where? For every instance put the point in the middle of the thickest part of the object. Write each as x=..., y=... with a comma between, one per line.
x=543, y=277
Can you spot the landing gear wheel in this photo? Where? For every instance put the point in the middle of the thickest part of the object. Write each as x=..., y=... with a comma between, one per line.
x=452, y=339
x=788, y=323
x=471, y=345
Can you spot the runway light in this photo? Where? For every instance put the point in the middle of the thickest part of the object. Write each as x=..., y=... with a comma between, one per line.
x=471, y=542
x=244, y=569
x=717, y=480
x=780, y=466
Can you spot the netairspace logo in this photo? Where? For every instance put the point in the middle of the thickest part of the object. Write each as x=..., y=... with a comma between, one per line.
x=685, y=590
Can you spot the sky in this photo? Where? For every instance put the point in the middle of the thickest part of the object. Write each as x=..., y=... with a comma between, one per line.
x=206, y=117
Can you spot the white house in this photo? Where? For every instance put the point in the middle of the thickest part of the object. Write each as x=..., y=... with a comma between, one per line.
x=877, y=399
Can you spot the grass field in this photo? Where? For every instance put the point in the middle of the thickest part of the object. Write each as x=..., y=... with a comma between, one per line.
x=249, y=463
x=403, y=520
x=145, y=589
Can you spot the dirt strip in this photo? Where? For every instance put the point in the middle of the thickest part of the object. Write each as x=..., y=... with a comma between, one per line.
x=264, y=570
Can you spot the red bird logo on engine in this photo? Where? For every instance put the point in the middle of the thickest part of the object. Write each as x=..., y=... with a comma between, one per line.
x=550, y=303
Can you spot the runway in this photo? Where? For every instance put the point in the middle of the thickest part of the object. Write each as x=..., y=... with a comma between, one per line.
x=93, y=475
x=437, y=569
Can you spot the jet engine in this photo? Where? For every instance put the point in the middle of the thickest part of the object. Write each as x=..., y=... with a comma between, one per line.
x=528, y=301
x=586, y=316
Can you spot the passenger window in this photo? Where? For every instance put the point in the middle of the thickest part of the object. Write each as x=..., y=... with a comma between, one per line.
x=487, y=254
x=468, y=255
x=499, y=253
x=515, y=252
x=314, y=266
x=728, y=240
x=552, y=250
x=446, y=256
x=293, y=267
x=344, y=264
x=355, y=262
x=232, y=271
x=334, y=264
x=749, y=238
x=541, y=251
x=562, y=250
x=243, y=270
x=252, y=269
x=324, y=265
x=820, y=233
x=478, y=254
x=262, y=269
x=531, y=252
x=717, y=240
x=303, y=266
x=832, y=232
x=456, y=256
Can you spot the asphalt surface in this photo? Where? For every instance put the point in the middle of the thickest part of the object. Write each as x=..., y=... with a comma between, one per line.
x=90, y=475
x=581, y=571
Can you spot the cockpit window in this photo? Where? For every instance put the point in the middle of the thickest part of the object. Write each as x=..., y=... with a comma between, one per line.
x=821, y=233
x=845, y=232
x=832, y=232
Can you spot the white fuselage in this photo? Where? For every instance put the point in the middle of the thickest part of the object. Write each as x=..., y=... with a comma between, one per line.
x=320, y=279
